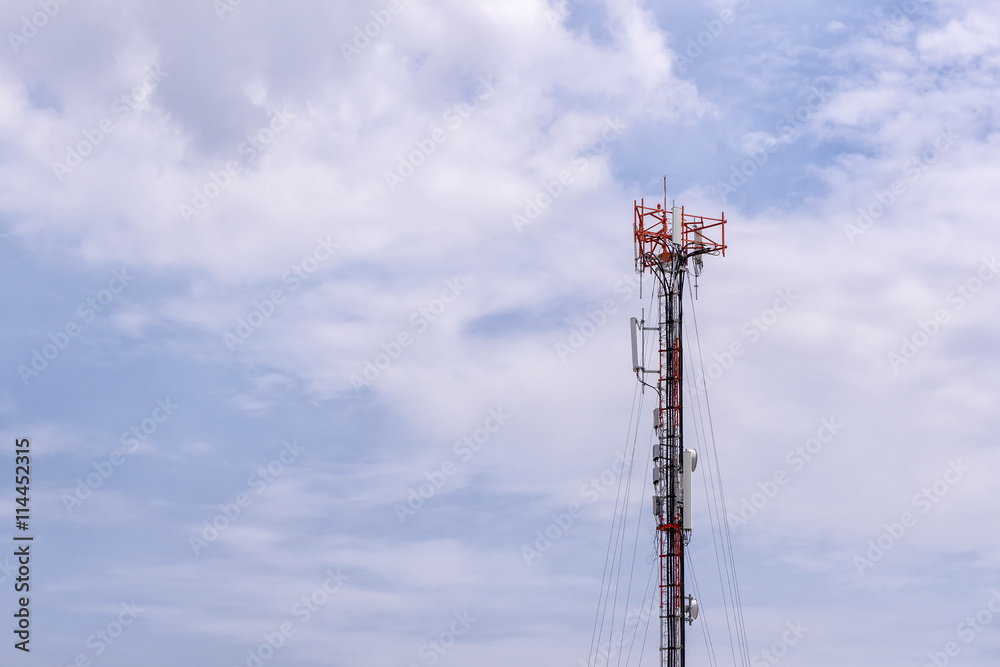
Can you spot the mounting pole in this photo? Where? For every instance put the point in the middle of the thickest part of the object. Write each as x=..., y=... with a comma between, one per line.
x=665, y=241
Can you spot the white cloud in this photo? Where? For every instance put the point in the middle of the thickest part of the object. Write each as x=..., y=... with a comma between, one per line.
x=906, y=137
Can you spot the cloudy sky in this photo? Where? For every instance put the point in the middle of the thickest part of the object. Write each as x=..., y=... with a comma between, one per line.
x=316, y=317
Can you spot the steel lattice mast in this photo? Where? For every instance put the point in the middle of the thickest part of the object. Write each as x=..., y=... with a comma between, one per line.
x=665, y=241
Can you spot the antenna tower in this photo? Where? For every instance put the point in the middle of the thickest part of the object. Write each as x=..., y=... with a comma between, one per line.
x=669, y=244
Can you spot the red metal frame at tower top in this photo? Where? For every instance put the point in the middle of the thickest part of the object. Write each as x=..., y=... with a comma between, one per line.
x=654, y=234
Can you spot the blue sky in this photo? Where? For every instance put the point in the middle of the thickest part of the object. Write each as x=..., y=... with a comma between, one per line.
x=283, y=276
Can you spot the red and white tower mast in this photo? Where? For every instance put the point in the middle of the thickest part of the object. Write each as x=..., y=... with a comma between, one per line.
x=670, y=244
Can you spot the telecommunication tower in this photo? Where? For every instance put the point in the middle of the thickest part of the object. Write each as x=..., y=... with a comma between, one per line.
x=669, y=244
